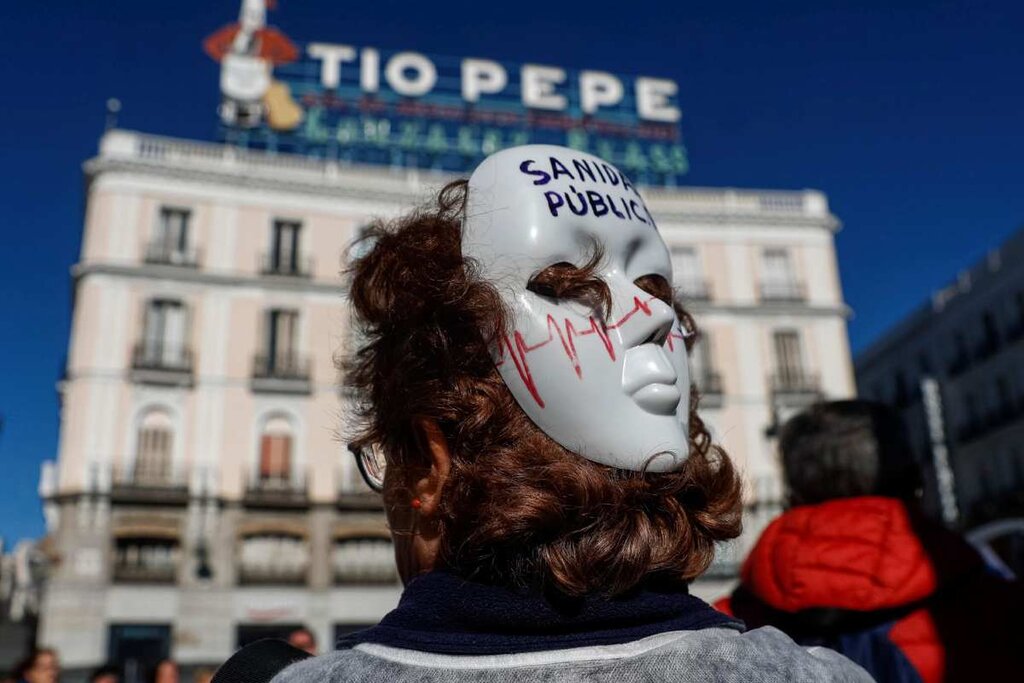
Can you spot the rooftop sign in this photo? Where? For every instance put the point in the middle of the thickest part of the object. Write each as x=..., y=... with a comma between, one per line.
x=404, y=108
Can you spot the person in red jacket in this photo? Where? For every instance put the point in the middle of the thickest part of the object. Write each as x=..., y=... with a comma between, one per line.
x=856, y=566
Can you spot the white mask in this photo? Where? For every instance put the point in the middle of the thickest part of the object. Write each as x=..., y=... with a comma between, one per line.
x=600, y=388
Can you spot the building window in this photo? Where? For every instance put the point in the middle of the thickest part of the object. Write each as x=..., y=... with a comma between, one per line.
x=778, y=283
x=279, y=368
x=145, y=560
x=170, y=244
x=153, y=450
x=789, y=375
x=163, y=337
x=707, y=381
x=689, y=275
x=364, y=560
x=990, y=341
x=280, y=343
x=962, y=358
x=901, y=396
x=273, y=558
x=924, y=364
x=1017, y=329
x=275, y=467
x=284, y=258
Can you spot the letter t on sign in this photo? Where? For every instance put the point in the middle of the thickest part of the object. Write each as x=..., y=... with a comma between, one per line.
x=332, y=57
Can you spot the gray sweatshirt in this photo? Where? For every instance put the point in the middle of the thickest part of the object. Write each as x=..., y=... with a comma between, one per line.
x=722, y=655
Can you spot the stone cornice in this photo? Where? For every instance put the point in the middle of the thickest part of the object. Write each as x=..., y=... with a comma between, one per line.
x=201, y=162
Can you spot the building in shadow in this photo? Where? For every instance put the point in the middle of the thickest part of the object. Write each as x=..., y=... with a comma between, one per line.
x=955, y=370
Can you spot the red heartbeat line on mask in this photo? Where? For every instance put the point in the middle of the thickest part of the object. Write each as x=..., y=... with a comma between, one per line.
x=518, y=349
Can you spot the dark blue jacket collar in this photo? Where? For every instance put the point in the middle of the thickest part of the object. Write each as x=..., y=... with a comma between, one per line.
x=444, y=614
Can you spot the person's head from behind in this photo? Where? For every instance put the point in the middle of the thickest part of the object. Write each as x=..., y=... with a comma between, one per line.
x=303, y=639
x=524, y=376
x=105, y=674
x=846, y=449
x=40, y=666
x=166, y=671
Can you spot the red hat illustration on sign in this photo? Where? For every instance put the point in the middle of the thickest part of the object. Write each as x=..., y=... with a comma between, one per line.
x=247, y=52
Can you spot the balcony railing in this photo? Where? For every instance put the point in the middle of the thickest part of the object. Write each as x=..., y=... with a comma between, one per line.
x=149, y=482
x=159, y=253
x=276, y=492
x=145, y=561
x=265, y=575
x=251, y=573
x=273, y=558
x=124, y=573
x=783, y=292
x=694, y=289
x=271, y=264
x=794, y=382
x=162, y=364
x=281, y=373
x=364, y=561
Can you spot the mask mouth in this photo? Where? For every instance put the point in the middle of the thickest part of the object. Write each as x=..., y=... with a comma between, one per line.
x=658, y=398
x=649, y=378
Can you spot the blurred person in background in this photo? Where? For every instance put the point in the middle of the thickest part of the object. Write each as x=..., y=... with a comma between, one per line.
x=527, y=415
x=40, y=666
x=166, y=671
x=105, y=674
x=855, y=565
x=303, y=639
x=203, y=675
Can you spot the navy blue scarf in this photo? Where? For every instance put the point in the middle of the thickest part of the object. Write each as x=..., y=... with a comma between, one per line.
x=444, y=614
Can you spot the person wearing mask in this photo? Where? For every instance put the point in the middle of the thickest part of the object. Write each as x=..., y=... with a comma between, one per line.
x=526, y=412
x=40, y=666
x=855, y=565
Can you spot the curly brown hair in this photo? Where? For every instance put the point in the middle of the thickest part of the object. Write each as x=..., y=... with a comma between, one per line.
x=517, y=508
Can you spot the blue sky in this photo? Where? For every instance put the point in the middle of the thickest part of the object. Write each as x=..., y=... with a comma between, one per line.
x=910, y=115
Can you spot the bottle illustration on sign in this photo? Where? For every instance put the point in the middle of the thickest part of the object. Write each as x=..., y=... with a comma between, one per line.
x=247, y=52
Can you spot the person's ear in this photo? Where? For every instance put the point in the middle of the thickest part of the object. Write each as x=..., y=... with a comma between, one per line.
x=429, y=485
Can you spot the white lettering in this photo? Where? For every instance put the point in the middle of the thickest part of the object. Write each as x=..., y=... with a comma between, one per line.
x=332, y=57
x=599, y=89
x=652, y=96
x=482, y=77
x=401, y=83
x=369, y=70
x=538, y=85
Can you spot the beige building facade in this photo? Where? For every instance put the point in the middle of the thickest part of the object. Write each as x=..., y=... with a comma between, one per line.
x=202, y=495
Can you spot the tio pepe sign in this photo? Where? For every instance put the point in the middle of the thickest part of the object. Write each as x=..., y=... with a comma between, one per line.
x=404, y=108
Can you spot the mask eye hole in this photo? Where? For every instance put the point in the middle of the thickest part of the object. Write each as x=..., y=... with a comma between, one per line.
x=574, y=283
x=550, y=282
x=657, y=286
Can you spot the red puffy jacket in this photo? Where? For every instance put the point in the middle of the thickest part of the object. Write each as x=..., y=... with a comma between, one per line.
x=857, y=562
